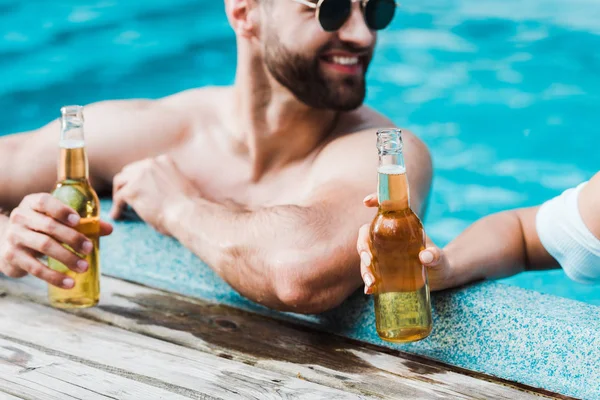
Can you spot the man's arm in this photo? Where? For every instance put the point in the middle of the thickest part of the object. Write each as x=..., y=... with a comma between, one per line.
x=116, y=133
x=301, y=257
x=27, y=164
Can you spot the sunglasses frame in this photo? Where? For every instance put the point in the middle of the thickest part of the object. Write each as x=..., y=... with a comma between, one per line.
x=317, y=7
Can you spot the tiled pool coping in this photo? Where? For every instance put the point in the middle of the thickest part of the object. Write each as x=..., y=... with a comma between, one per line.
x=515, y=334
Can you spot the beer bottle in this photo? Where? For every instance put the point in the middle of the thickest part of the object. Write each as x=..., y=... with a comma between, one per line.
x=74, y=189
x=401, y=294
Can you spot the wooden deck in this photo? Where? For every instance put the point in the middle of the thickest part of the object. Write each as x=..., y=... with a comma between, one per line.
x=145, y=344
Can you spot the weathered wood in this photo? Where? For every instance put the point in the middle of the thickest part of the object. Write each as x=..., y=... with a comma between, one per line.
x=183, y=371
x=32, y=373
x=279, y=346
x=25, y=391
x=34, y=391
x=5, y=395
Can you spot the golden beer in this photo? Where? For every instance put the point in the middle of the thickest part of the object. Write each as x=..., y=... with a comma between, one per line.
x=401, y=294
x=74, y=189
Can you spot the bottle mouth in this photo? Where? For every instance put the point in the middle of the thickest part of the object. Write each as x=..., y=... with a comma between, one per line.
x=72, y=113
x=389, y=141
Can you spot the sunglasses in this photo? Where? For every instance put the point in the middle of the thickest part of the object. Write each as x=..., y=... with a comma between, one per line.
x=333, y=14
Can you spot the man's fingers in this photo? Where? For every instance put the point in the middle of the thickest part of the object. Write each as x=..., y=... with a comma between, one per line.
x=12, y=271
x=118, y=182
x=371, y=200
x=47, y=246
x=118, y=207
x=45, y=203
x=431, y=256
x=119, y=204
x=41, y=223
x=105, y=228
x=119, y=186
x=165, y=159
x=27, y=262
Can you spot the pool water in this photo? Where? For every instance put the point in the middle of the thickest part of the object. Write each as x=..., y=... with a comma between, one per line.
x=505, y=93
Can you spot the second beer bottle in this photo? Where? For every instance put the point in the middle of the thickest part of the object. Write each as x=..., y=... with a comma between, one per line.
x=74, y=189
x=402, y=302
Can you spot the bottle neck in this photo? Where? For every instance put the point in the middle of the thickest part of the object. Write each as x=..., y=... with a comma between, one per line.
x=393, y=185
x=73, y=163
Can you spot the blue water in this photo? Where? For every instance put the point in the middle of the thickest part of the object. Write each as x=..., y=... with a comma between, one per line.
x=504, y=92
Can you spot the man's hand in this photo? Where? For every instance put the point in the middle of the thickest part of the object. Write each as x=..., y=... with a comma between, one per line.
x=38, y=227
x=152, y=187
x=434, y=258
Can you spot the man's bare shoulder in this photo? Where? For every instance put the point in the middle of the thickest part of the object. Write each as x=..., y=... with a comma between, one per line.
x=198, y=99
x=356, y=136
x=119, y=132
x=172, y=108
x=168, y=120
x=135, y=115
x=109, y=109
x=359, y=149
x=149, y=123
x=353, y=153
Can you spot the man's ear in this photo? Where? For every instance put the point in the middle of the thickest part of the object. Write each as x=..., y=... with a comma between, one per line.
x=243, y=16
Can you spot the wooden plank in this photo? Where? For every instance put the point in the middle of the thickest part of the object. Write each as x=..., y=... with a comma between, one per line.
x=181, y=370
x=32, y=391
x=32, y=373
x=4, y=395
x=279, y=346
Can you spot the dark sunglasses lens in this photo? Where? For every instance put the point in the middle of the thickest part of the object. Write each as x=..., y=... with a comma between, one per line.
x=379, y=13
x=334, y=13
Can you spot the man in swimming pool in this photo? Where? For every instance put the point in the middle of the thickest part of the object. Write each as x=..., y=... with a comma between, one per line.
x=262, y=180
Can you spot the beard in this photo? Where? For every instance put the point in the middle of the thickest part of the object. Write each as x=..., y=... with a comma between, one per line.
x=303, y=76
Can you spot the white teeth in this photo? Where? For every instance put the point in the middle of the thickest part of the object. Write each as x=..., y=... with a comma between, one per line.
x=345, y=60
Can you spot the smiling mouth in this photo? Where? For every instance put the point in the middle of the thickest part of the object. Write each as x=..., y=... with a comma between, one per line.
x=343, y=60
x=349, y=64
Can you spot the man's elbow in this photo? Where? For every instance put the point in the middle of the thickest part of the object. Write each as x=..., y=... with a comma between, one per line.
x=304, y=300
x=280, y=283
x=311, y=293
x=307, y=288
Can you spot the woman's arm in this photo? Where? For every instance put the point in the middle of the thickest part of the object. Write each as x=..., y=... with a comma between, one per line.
x=496, y=246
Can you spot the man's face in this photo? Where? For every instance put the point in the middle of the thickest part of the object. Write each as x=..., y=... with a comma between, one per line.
x=323, y=70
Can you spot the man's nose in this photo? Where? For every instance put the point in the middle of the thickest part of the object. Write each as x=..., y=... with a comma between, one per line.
x=355, y=30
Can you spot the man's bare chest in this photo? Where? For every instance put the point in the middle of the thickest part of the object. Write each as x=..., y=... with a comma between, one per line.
x=223, y=178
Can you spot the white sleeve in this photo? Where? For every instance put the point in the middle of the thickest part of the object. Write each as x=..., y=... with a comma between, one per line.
x=566, y=237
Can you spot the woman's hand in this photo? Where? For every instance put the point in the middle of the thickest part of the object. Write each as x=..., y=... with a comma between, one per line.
x=439, y=270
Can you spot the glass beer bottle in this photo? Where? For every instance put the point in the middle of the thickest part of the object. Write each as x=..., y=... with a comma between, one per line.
x=402, y=302
x=74, y=189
